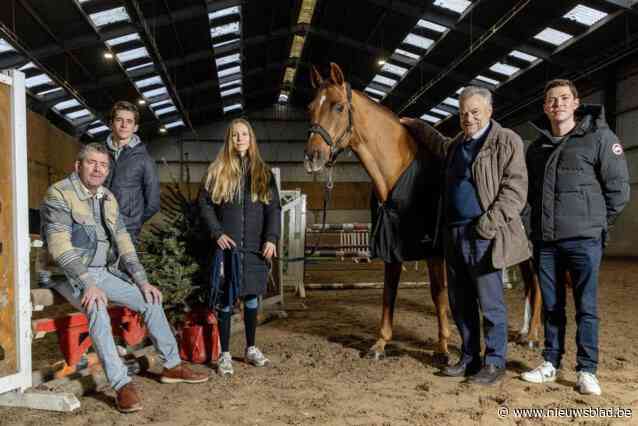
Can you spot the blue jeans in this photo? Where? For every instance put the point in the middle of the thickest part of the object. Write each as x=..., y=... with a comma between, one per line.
x=122, y=293
x=473, y=283
x=581, y=257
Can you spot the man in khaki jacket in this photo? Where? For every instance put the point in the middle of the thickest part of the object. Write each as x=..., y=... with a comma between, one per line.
x=485, y=189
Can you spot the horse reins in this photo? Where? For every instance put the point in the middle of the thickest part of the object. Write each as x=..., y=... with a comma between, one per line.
x=335, y=147
x=335, y=150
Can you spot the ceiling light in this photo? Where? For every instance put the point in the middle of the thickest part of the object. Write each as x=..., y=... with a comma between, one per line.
x=108, y=55
x=162, y=130
x=141, y=102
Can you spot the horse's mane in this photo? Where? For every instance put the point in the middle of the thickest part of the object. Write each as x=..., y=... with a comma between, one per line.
x=382, y=109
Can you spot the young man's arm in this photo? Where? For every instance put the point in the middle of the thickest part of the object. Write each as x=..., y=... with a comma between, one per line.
x=151, y=188
x=613, y=175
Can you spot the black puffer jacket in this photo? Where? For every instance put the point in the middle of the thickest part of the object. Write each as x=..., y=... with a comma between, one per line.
x=250, y=224
x=134, y=181
x=579, y=185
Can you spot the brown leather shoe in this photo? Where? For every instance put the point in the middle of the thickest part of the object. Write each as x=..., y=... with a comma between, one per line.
x=182, y=374
x=127, y=399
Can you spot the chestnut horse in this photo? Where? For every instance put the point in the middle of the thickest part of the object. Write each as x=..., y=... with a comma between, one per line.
x=343, y=118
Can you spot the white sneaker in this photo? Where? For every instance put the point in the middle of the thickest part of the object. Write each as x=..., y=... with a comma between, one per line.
x=587, y=384
x=254, y=356
x=225, y=364
x=544, y=373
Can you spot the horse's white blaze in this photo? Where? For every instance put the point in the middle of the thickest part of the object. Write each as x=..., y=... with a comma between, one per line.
x=321, y=101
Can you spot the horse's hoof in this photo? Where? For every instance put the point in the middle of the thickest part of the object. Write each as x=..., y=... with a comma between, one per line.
x=441, y=358
x=375, y=355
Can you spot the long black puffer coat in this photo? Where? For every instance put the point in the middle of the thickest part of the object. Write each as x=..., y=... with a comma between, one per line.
x=250, y=224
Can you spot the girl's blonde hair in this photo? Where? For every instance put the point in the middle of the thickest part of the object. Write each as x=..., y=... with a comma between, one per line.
x=224, y=174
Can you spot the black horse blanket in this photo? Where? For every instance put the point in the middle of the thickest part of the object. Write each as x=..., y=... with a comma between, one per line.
x=404, y=227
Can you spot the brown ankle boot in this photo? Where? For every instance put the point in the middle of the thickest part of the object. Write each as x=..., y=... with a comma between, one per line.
x=127, y=399
x=182, y=374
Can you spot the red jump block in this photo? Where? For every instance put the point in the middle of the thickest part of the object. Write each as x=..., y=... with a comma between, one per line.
x=73, y=331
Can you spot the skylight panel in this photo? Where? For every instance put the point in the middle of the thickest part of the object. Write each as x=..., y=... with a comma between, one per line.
x=109, y=16
x=233, y=91
x=49, y=91
x=406, y=53
x=430, y=118
x=306, y=11
x=166, y=110
x=457, y=6
x=394, y=69
x=225, y=60
x=505, y=69
x=123, y=39
x=375, y=91
x=78, y=114
x=418, y=41
x=222, y=30
x=174, y=124
x=61, y=106
x=232, y=107
x=459, y=90
x=160, y=103
x=431, y=26
x=137, y=67
x=384, y=80
x=155, y=92
x=129, y=55
x=5, y=47
x=234, y=10
x=440, y=111
x=27, y=66
x=37, y=80
x=148, y=81
x=97, y=130
x=552, y=36
x=297, y=46
x=231, y=83
x=488, y=80
x=523, y=56
x=224, y=43
x=228, y=71
x=585, y=15
x=451, y=102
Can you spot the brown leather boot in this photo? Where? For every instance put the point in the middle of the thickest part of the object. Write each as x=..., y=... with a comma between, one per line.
x=182, y=374
x=127, y=399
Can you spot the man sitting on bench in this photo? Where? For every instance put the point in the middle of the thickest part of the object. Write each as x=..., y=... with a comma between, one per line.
x=85, y=235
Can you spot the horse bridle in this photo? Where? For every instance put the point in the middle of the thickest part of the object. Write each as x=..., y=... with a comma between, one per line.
x=335, y=147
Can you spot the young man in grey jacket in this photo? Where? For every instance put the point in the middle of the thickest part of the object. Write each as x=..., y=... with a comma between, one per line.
x=133, y=177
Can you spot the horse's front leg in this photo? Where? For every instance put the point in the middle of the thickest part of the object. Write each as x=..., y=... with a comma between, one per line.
x=392, y=274
x=529, y=333
x=438, y=291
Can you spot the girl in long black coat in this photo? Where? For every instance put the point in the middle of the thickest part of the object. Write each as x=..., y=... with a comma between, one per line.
x=240, y=204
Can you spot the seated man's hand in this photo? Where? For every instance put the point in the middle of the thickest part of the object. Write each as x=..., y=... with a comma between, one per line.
x=152, y=294
x=93, y=296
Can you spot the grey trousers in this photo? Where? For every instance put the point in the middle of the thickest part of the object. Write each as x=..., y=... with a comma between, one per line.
x=120, y=292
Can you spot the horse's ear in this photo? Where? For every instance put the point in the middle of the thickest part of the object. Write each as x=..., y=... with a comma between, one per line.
x=315, y=78
x=336, y=75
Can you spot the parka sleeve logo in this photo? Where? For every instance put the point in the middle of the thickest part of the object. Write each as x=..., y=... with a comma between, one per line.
x=617, y=149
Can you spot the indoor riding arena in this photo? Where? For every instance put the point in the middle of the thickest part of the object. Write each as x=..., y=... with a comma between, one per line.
x=406, y=212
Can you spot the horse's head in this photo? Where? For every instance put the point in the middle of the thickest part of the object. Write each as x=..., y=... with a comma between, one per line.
x=330, y=119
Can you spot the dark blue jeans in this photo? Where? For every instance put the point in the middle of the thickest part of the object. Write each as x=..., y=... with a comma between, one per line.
x=581, y=257
x=473, y=283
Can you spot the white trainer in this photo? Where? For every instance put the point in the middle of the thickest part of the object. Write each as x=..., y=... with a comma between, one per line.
x=225, y=364
x=587, y=384
x=544, y=373
x=254, y=356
